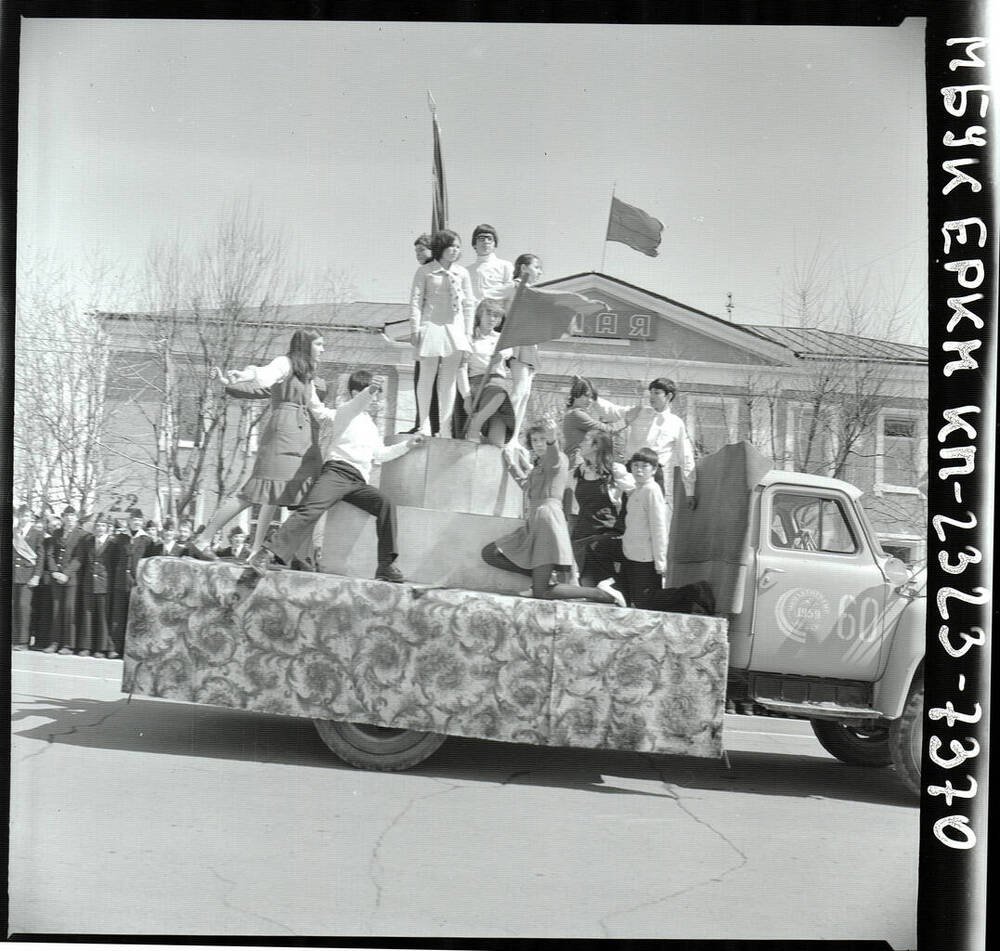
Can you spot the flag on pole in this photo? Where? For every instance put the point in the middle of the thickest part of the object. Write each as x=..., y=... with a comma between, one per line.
x=536, y=316
x=632, y=226
x=439, y=196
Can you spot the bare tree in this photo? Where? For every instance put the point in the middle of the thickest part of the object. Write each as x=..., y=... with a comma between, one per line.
x=215, y=306
x=842, y=392
x=61, y=361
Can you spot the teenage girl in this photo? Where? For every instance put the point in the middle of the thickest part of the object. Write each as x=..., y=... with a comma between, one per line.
x=541, y=548
x=524, y=362
x=441, y=317
x=287, y=456
x=484, y=381
x=600, y=484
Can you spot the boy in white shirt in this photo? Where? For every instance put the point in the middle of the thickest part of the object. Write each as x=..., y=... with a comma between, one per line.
x=488, y=271
x=644, y=544
x=350, y=444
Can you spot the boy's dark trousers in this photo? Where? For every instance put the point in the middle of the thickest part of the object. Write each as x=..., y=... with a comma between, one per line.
x=640, y=583
x=338, y=482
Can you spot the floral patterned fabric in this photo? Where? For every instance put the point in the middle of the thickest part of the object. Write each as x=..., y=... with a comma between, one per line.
x=552, y=673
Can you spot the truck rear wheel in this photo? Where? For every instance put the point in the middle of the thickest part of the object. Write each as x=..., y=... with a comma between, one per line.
x=856, y=746
x=377, y=747
x=906, y=738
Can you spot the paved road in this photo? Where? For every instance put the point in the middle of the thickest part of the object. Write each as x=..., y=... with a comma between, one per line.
x=148, y=817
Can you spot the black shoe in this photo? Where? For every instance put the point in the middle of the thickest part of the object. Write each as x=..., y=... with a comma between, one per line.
x=389, y=572
x=297, y=564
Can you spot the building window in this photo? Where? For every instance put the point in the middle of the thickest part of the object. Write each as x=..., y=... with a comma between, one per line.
x=711, y=422
x=898, y=452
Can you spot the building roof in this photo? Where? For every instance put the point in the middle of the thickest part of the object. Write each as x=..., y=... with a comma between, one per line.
x=366, y=315
x=810, y=343
x=805, y=343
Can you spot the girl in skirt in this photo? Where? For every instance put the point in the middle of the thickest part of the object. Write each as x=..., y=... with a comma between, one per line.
x=484, y=381
x=288, y=456
x=541, y=548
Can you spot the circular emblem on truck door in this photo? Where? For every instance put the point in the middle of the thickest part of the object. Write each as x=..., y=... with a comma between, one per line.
x=800, y=613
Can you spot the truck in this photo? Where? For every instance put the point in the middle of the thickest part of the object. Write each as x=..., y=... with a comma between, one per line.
x=802, y=615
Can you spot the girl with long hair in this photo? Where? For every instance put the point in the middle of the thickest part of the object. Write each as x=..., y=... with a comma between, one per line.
x=484, y=381
x=525, y=362
x=287, y=456
x=541, y=548
x=600, y=484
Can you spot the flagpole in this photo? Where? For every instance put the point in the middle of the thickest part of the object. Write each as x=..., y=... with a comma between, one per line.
x=604, y=247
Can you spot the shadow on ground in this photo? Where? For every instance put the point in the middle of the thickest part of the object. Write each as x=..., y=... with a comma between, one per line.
x=184, y=729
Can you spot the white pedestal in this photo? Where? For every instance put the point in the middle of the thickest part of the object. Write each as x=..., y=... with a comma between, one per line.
x=452, y=498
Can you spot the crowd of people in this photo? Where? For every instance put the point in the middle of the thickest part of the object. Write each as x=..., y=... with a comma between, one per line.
x=596, y=527
x=72, y=576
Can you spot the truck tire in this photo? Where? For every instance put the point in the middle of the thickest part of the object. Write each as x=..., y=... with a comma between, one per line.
x=906, y=738
x=868, y=746
x=377, y=747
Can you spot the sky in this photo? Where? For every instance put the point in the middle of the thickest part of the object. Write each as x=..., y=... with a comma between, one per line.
x=757, y=146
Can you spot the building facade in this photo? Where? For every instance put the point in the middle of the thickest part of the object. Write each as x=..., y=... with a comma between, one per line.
x=829, y=403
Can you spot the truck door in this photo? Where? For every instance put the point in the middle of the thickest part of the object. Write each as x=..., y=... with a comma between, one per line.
x=820, y=593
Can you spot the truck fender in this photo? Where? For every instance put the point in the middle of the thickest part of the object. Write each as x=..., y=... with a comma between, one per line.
x=905, y=655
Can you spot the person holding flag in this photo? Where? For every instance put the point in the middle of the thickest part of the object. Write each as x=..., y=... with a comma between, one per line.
x=525, y=361
x=533, y=317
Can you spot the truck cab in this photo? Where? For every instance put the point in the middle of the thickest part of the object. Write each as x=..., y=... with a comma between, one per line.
x=823, y=624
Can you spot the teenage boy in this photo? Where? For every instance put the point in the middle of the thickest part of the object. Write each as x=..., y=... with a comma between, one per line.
x=644, y=543
x=351, y=445
x=658, y=428
x=66, y=557
x=489, y=271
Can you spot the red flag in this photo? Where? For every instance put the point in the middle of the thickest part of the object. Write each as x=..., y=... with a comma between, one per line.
x=439, y=196
x=536, y=316
x=632, y=226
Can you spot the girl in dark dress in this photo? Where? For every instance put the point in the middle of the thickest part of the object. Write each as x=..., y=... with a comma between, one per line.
x=600, y=484
x=287, y=457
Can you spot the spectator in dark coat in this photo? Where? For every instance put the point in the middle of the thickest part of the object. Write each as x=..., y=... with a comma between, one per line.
x=41, y=605
x=168, y=544
x=98, y=569
x=27, y=571
x=120, y=584
x=237, y=549
x=65, y=557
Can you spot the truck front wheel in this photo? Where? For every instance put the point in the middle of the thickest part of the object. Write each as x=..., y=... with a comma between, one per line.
x=377, y=747
x=856, y=746
x=906, y=738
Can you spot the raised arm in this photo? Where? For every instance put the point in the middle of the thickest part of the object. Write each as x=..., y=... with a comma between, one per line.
x=613, y=414
x=386, y=453
x=266, y=376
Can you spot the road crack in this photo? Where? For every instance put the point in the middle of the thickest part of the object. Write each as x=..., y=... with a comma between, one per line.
x=375, y=867
x=673, y=791
x=53, y=735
